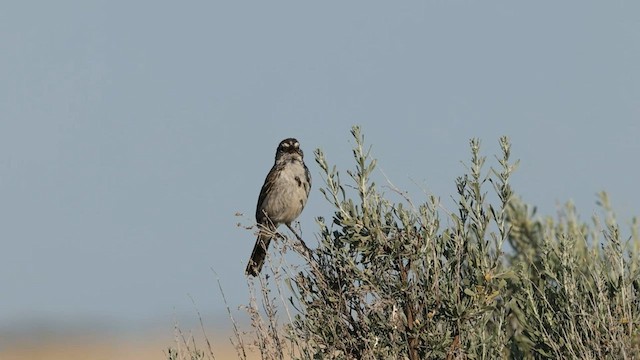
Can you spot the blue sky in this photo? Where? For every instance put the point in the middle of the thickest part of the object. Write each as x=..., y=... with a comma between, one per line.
x=131, y=133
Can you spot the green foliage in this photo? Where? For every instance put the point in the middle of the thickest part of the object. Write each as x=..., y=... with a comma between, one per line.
x=394, y=280
x=577, y=294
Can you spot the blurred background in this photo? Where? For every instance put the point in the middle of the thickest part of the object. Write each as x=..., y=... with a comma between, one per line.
x=132, y=134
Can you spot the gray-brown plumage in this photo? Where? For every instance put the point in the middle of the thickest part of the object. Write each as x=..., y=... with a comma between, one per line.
x=282, y=198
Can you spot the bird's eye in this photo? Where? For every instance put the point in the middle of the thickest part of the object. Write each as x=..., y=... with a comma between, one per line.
x=296, y=144
x=285, y=145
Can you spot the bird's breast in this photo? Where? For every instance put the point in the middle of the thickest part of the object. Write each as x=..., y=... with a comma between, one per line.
x=288, y=194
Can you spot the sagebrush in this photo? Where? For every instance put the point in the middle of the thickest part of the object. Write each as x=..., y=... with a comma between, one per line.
x=487, y=279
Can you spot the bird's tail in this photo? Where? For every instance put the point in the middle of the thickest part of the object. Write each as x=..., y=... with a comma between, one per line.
x=258, y=255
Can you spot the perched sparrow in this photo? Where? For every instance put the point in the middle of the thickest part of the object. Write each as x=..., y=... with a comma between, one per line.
x=282, y=198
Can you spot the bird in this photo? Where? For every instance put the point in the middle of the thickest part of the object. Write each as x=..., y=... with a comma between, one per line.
x=282, y=198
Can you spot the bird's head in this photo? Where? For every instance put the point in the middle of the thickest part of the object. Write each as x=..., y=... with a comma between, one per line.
x=289, y=146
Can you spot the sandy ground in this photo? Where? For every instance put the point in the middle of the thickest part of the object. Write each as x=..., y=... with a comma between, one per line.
x=102, y=349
